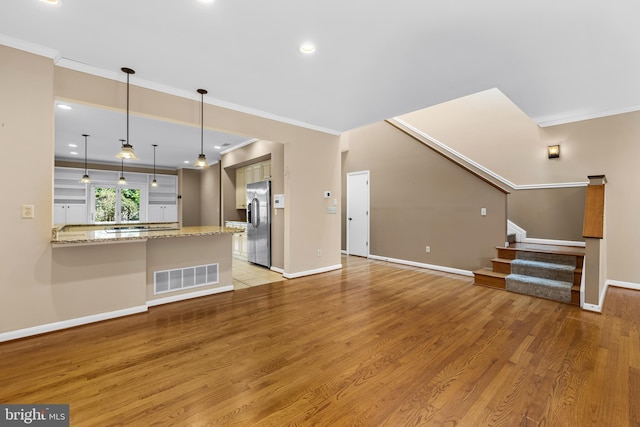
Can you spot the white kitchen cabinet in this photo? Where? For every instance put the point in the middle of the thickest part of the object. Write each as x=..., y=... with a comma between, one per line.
x=64, y=213
x=69, y=197
x=162, y=213
x=163, y=199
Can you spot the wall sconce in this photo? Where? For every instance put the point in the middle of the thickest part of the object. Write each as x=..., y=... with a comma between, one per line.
x=553, y=151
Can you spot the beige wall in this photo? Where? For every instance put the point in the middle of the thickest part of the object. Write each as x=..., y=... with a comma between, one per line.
x=309, y=170
x=167, y=254
x=189, y=193
x=252, y=153
x=491, y=130
x=210, y=195
x=26, y=132
x=549, y=213
x=419, y=198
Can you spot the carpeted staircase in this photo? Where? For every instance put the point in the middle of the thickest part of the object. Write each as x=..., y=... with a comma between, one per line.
x=545, y=271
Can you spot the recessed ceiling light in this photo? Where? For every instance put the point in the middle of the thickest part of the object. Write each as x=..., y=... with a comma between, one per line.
x=186, y=162
x=73, y=145
x=307, y=48
x=217, y=147
x=52, y=2
x=206, y=1
x=75, y=153
x=65, y=107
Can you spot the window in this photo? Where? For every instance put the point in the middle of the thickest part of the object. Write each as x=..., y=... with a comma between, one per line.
x=115, y=204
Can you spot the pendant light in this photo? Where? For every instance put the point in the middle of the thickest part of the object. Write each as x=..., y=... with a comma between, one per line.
x=126, y=151
x=85, y=178
x=122, y=181
x=154, y=183
x=202, y=159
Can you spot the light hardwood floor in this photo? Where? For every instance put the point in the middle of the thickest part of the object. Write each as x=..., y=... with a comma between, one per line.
x=374, y=344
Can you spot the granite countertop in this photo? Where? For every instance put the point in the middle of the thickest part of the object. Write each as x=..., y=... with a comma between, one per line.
x=92, y=235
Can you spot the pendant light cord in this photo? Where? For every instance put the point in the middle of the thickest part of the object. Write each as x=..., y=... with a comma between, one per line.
x=127, y=108
x=201, y=122
x=85, y=154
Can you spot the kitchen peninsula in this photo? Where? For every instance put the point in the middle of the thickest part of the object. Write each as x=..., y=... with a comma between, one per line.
x=124, y=268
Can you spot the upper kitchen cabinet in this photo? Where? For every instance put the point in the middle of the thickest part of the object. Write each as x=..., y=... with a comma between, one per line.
x=246, y=175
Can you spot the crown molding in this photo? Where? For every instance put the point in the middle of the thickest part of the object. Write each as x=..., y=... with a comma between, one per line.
x=26, y=46
x=558, y=120
x=170, y=90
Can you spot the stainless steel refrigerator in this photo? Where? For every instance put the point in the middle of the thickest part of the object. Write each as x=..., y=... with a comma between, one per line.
x=259, y=223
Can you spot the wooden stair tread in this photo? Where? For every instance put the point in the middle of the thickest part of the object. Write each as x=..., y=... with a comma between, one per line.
x=488, y=272
x=539, y=248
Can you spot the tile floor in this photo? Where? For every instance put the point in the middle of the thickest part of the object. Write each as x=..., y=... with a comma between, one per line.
x=247, y=275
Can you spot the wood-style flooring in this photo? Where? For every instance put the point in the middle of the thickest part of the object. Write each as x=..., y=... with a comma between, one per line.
x=373, y=344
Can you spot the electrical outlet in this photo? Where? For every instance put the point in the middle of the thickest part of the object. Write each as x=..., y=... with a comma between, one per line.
x=483, y=211
x=427, y=249
x=319, y=252
x=27, y=211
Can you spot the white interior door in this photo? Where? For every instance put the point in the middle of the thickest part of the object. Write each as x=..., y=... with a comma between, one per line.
x=358, y=213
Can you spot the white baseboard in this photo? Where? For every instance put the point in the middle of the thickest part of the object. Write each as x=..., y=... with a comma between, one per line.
x=626, y=285
x=554, y=242
x=190, y=295
x=598, y=308
x=592, y=307
x=311, y=272
x=277, y=270
x=422, y=265
x=56, y=326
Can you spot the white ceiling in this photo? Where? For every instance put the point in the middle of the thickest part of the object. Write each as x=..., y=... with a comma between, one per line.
x=557, y=60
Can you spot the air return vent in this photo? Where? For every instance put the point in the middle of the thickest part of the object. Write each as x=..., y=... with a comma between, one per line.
x=184, y=278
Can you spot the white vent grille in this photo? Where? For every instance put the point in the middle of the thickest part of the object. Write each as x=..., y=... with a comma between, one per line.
x=184, y=278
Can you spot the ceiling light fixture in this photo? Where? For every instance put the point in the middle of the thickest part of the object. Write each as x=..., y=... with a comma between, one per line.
x=202, y=159
x=307, y=48
x=126, y=151
x=85, y=178
x=52, y=2
x=154, y=183
x=122, y=181
x=64, y=107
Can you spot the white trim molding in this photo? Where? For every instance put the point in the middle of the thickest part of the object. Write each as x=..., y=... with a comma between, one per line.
x=513, y=228
x=65, y=324
x=626, y=285
x=190, y=295
x=478, y=166
x=422, y=265
x=598, y=308
x=311, y=272
x=26, y=46
x=276, y=269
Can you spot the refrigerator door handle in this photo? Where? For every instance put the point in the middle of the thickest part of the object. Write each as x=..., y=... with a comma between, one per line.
x=256, y=212
x=249, y=216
